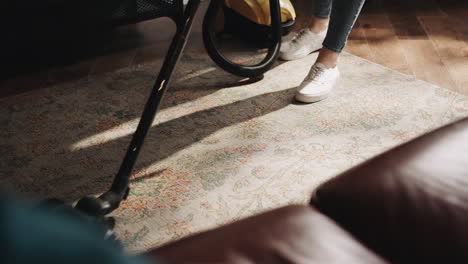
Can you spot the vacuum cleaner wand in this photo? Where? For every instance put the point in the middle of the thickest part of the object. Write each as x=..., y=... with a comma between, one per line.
x=109, y=201
x=99, y=207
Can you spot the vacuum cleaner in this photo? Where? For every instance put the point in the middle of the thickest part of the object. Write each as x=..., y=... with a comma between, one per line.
x=266, y=14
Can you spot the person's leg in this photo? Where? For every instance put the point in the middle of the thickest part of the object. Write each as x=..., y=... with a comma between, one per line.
x=324, y=74
x=321, y=16
x=309, y=39
x=336, y=16
x=342, y=18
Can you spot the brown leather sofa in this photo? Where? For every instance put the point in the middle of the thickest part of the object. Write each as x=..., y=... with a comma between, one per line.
x=408, y=205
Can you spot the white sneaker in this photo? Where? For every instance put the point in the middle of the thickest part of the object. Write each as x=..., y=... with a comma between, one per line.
x=318, y=83
x=304, y=43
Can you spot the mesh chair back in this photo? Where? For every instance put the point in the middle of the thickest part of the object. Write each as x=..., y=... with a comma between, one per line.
x=133, y=11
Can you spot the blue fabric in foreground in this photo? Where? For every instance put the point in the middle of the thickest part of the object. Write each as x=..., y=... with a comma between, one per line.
x=39, y=235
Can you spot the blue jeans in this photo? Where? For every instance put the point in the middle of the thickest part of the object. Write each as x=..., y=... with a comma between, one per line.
x=343, y=15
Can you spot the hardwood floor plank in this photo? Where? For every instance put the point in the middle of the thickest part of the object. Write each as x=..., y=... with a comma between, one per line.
x=427, y=8
x=457, y=13
x=403, y=16
x=451, y=47
x=357, y=43
x=383, y=42
x=373, y=7
x=426, y=64
x=407, y=26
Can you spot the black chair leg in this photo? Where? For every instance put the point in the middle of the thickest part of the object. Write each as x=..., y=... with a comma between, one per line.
x=110, y=200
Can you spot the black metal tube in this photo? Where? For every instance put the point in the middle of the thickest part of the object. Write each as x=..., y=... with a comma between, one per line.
x=119, y=187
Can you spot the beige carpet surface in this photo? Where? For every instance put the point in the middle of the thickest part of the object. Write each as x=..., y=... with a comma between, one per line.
x=220, y=149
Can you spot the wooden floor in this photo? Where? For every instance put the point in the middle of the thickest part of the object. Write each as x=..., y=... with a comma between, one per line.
x=424, y=38
x=427, y=39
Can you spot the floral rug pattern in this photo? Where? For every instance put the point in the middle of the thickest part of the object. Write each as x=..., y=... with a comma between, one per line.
x=220, y=149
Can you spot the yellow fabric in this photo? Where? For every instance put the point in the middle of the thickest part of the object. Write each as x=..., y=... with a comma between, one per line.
x=258, y=11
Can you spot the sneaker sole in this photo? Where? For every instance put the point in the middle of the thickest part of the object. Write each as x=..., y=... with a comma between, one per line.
x=310, y=99
x=296, y=57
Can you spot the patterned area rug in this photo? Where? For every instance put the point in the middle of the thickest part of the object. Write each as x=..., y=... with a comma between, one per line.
x=220, y=150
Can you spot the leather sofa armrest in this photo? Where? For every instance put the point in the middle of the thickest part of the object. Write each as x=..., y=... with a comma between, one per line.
x=410, y=204
x=293, y=234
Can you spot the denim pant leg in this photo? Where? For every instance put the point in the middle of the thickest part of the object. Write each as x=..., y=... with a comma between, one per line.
x=343, y=14
x=322, y=8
